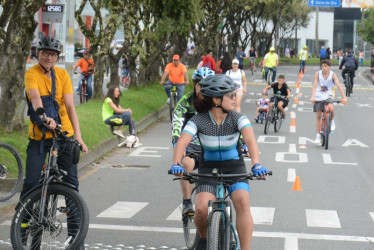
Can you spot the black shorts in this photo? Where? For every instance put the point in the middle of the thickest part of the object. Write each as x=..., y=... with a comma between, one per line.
x=320, y=105
x=224, y=167
x=284, y=100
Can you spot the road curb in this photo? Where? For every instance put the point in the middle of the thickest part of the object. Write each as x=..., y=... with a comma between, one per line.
x=111, y=143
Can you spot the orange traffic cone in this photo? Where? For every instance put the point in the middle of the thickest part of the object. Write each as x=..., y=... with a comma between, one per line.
x=296, y=101
x=297, y=185
x=28, y=59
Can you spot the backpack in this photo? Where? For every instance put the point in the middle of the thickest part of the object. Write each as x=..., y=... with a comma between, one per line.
x=350, y=62
x=51, y=108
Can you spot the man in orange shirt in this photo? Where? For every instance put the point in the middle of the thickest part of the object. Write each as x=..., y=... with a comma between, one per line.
x=177, y=77
x=87, y=65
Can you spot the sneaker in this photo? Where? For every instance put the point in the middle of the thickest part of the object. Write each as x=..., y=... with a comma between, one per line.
x=119, y=133
x=188, y=208
x=283, y=116
x=168, y=101
x=201, y=245
x=332, y=125
x=318, y=139
x=256, y=119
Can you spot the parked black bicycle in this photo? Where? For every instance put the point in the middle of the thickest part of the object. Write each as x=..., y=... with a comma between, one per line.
x=11, y=171
x=222, y=233
x=52, y=215
x=275, y=115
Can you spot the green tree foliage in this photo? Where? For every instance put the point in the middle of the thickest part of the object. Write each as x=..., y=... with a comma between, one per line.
x=366, y=28
x=100, y=35
x=17, y=26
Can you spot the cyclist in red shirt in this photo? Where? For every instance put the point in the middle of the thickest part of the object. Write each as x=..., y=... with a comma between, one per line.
x=209, y=62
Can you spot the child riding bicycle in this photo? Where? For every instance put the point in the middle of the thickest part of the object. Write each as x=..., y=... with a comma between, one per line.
x=281, y=88
x=262, y=105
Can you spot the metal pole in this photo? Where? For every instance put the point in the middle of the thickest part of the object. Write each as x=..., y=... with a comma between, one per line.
x=69, y=42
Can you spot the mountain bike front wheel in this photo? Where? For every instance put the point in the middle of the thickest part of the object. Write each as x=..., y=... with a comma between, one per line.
x=268, y=121
x=64, y=224
x=278, y=121
x=11, y=171
x=83, y=92
x=173, y=103
x=216, y=233
x=327, y=130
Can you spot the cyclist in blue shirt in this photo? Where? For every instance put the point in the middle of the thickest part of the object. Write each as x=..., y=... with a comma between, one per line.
x=218, y=127
x=240, y=55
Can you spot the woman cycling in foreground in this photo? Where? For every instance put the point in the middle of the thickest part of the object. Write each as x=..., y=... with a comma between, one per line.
x=218, y=127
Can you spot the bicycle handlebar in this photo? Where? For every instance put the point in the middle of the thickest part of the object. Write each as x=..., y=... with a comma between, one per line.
x=62, y=134
x=193, y=177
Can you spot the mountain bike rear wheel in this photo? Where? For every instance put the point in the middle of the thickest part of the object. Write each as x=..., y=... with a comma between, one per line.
x=65, y=222
x=191, y=236
x=348, y=86
x=11, y=171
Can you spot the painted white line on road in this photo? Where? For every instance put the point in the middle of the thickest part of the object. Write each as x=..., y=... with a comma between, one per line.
x=292, y=148
x=123, y=210
x=291, y=176
x=322, y=218
x=328, y=160
x=284, y=235
x=176, y=214
x=139, y=151
x=291, y=243
x=263, y=215
x=301, y=157
x=372, y=215
x=305, y=109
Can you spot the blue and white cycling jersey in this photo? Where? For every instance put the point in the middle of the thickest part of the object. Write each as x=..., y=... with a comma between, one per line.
x=218, y=141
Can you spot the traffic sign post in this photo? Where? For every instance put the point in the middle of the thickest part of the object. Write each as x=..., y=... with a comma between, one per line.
x=324, y=3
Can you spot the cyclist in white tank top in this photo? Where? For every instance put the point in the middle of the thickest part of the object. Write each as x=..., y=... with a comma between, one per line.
x=324, y=82
x=324, y=86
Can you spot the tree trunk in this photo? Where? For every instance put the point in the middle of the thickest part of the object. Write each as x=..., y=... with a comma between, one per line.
x=17, y=26
x=316, y=45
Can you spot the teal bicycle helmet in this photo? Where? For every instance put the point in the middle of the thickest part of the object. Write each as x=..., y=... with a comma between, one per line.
x=202, y=73
x=49, y=43
x=217, y=85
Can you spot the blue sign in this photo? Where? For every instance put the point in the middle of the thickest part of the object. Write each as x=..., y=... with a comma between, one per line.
x=324, y=3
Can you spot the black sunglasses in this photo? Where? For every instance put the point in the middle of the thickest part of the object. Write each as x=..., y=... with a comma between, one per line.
x=231, y=95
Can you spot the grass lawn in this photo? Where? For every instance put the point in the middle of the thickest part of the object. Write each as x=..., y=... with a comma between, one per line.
x=142, y=101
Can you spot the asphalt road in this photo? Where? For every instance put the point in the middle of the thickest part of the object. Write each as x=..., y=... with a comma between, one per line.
x=134, y=203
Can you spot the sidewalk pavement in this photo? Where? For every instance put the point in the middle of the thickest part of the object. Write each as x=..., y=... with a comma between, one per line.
x=103, y=148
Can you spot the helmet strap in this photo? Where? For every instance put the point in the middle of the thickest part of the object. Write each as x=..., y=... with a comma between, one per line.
x=219, y=106
x=45, y=70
